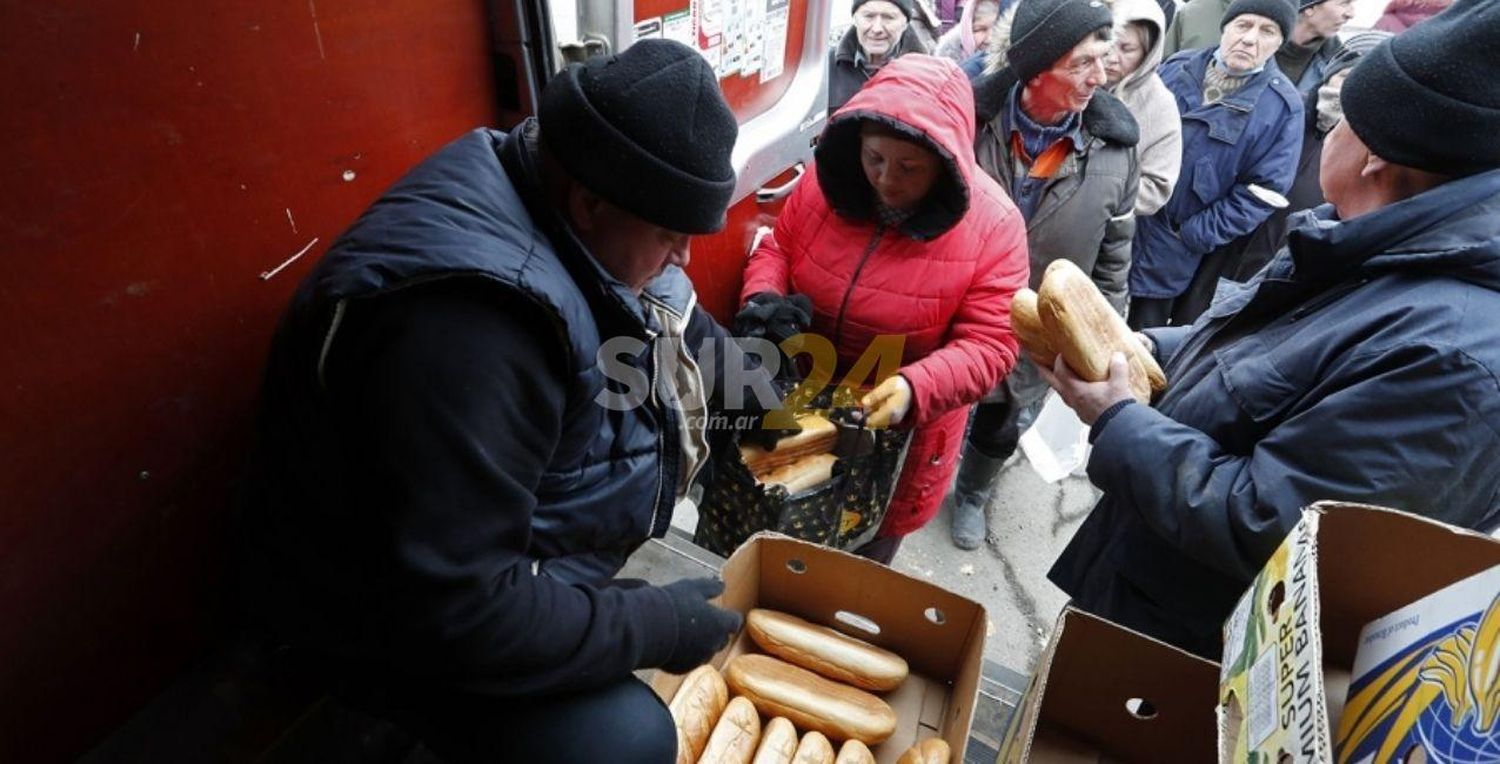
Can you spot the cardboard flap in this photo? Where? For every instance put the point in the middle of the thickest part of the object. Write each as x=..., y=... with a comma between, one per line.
x=928, y=626
x=1373, y=560
x=1131, y=697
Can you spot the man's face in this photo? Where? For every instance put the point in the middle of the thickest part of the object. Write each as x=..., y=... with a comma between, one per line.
x=1324, y=20
x=1071, y=82
x=1341, y=167
x=630, y=249
x=1248, y=41
x=900, y=171
x=1129, y=50
x=878, y=26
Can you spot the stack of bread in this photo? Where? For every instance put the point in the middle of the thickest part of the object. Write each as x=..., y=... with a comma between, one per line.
x=799, y=462
x=813, y=680
x=1069, y=317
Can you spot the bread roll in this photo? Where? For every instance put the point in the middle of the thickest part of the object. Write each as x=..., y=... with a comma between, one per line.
x=1029, y=329
x=778, y=742
x=735, y=736
x=778, y=688
x=825, y=651
x=817, y=436
x=804, y=474
x=1086, y=330
x=695, y=709
x=814, y=749
x=854, y=752
x=933, y=750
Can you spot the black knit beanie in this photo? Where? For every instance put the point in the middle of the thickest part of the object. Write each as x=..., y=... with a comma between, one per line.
x=1279, y=11
x=904, y=5
x=1430, y=97
x=649, y=131
x=1045, y=30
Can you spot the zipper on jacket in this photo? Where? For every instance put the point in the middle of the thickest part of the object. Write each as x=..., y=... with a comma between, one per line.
x=838, y=325
x=661, y=470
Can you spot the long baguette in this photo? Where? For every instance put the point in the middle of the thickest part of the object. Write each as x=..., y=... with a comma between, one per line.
x=735, y=736
x=1029, y=329
x=1086, y=330
x=695, y=709
x=778, y=688
x=778, y=742
x=825, y=651
x=814, y=749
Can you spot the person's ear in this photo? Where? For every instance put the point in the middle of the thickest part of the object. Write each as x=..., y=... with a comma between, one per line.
x=583, y=207
x=1374, y=165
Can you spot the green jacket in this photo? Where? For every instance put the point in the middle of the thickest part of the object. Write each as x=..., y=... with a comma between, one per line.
x=1196, y=25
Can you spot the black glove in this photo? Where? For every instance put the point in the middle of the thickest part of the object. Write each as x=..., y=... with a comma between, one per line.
x=702, y=629
x=773, y=317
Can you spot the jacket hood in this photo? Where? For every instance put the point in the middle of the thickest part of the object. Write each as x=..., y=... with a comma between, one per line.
x=1106, y=117
x=926, y=99
x=1146, y=12
x=1452, y=230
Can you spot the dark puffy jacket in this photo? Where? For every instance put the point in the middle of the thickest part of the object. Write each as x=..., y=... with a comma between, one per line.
x=845, y=74
x=1364, y=365
x=1252, y=136
x=942, y=281
x=452, y=508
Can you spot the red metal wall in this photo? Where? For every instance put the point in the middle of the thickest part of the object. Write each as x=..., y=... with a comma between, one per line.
x=160, y=156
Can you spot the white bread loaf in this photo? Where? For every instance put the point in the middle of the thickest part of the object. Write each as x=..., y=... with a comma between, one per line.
x=695, y=709
x=735, y=736
x=825, y=651
x=778, y=688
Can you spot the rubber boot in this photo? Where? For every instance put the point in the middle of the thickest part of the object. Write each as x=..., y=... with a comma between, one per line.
x=971, y=496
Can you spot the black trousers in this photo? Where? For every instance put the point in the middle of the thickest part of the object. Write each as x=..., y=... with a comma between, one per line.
x=624, y=722
x=1146, y=312
x=994, y=428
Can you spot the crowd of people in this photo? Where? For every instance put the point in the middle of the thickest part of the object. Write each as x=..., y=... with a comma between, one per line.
x=1304, y=226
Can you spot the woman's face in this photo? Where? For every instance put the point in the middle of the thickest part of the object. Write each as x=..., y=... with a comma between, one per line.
x=900, y=171
x=985, y=14
x=1129, y=51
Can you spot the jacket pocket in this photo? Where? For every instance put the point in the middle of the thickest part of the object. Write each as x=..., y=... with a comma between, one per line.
x=1255, y=382
x=1206, y=181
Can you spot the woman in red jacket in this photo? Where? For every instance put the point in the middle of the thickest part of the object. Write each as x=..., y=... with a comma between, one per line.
x=898, y=234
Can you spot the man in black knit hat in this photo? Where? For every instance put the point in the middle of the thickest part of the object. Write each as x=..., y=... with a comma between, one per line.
x=1064, y=148
x=1362, y=364
x=450, y=474
x=881, y=32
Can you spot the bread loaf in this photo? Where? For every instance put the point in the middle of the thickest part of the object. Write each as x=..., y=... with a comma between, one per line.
x=818, y=436
x=1029, y=329
x=814, y=749
x=802, y=475
x=778, y=742
x=854, y=752
x=695, y=709
x=778, y=688
x=933, y=750
x=735, y=736
x=1086, y=330
x=825, y=651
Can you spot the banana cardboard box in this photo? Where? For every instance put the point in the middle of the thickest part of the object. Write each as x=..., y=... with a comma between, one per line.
x=1290, y=644
x=1428, y=676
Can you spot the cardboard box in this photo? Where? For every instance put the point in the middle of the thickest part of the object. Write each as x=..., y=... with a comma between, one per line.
x=1102, y=692
x=940, y=634
x=1427, y=676
x=1289, y=645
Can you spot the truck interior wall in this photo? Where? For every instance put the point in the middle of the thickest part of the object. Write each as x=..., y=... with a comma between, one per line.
x=164, y=162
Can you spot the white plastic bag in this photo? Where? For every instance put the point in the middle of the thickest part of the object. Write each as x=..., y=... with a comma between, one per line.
x=1057, y=443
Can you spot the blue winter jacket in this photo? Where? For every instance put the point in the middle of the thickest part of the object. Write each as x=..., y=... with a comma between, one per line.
x=1253, y=136
x=1363, y=364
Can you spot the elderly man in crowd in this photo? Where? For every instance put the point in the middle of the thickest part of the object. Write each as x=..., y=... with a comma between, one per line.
x=1314, y=41
x=1241, y=134
x=1064, y=148
x=881, y=32
x=1363, y=364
